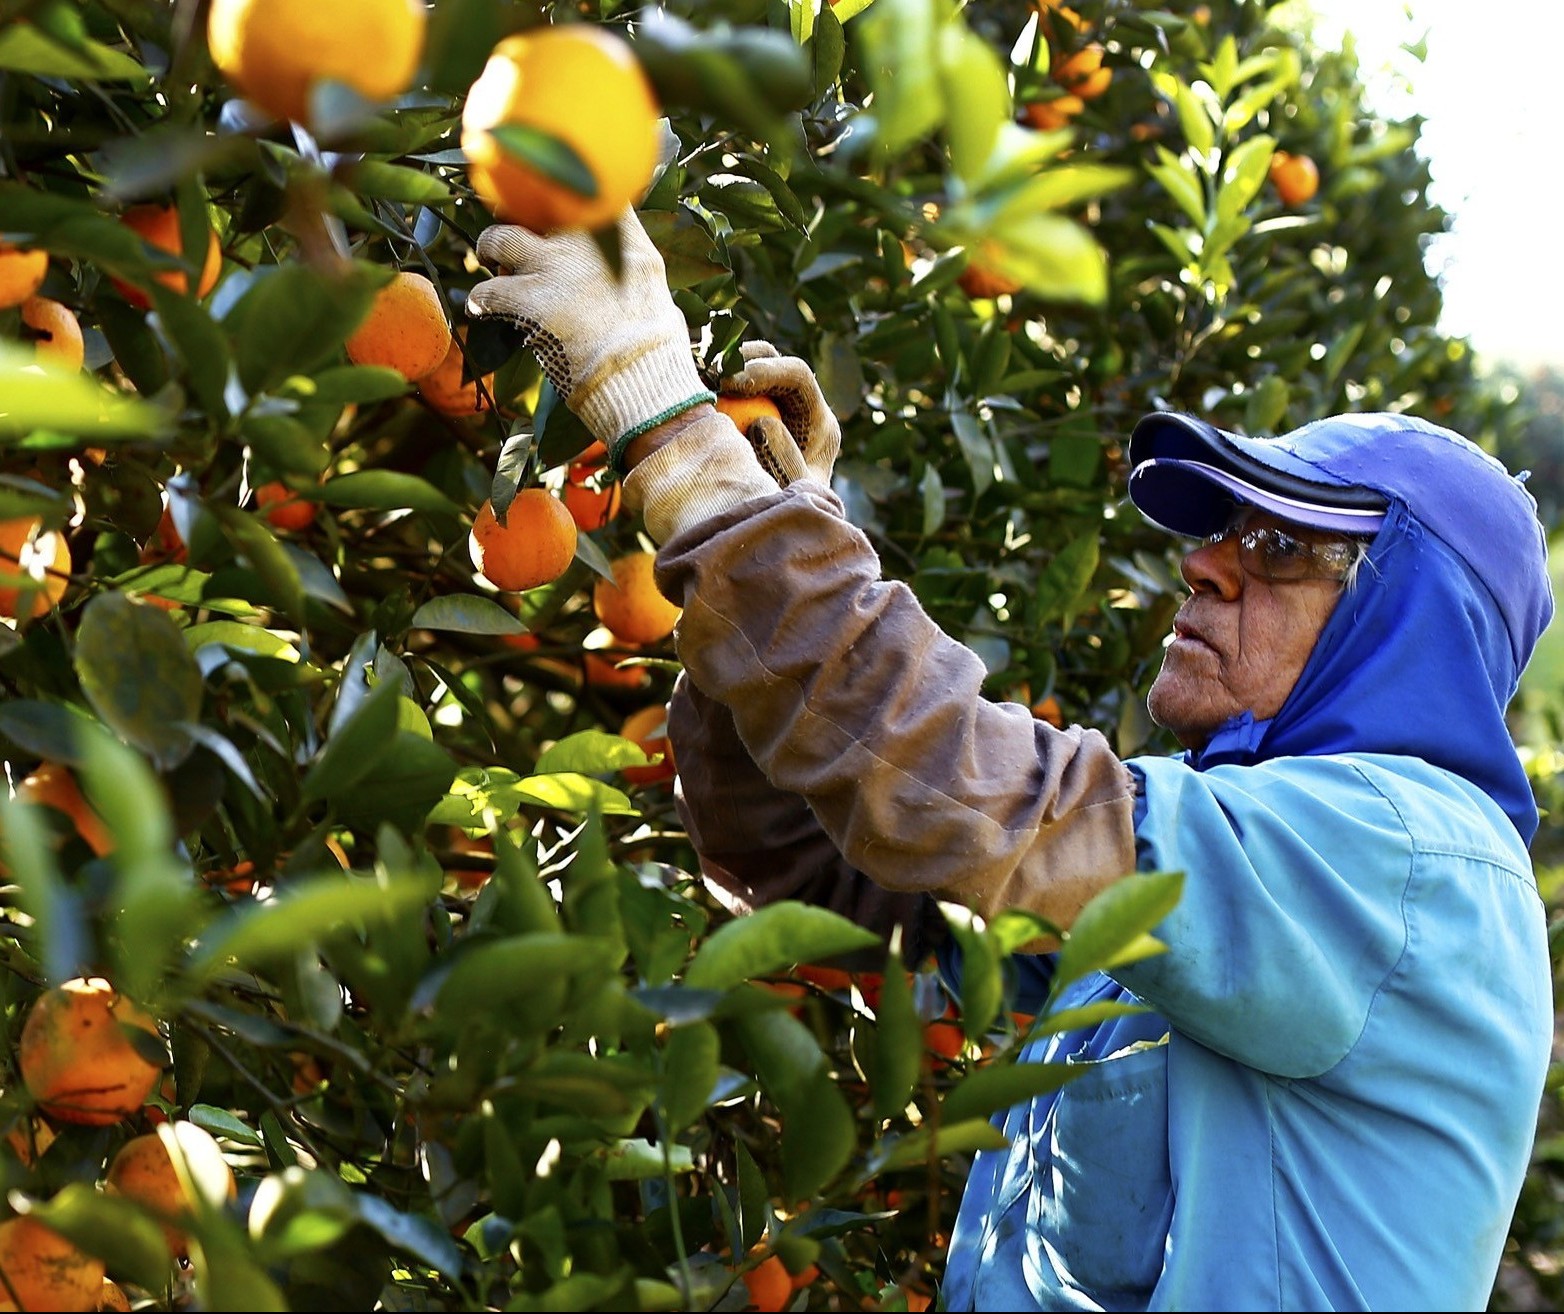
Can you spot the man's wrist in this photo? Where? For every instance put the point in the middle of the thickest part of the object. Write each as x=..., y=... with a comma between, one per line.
x=642, y=445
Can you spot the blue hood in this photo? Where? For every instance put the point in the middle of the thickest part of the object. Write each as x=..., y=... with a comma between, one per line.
x=1414, y=660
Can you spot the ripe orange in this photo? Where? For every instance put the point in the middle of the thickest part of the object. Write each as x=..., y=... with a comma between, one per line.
x=143, y=1170
x=21, y=274
x=1046, y=115
x=1295, y=177
x=631, y=608
x=52, y=785
x=581, y=85
x=283, y=508
x=534, y=546
x=744, y=411
x=1082, y=73
x=769, y=1283
x=981, y=283
x=605, y=673
x=648, y=727
x=113, y=1296
x=405, y=329
x=591, y=506
x=159, y=226
x=944, y=1035
x=273, y=51
x=1048, y=709
x=74, y=1056
x=35, y=561
x=165, y=543
x=43, y=1270
x=444, y=389
x=59, y=341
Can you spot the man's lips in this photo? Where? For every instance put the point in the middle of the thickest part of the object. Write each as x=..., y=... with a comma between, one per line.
x=1184, y=632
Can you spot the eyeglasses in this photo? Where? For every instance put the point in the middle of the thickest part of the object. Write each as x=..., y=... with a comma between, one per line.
x=1270, y=552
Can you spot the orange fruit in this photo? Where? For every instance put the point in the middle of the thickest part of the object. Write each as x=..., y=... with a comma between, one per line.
x=274, y=51
x=581, y=85
x=21, y=274
x=1082, y=73
x=59, y=341
x=1048, y=709
x=113, y=1296
x=1046, y=115
x=52, y=785
x=606, y=673
x=1295, y=177
x=405, y=329
x=159, y=226
x=631, y=608
x=444, y=389
x=75, y=1058
x=1057, y=16
x=283, y=508
x=769, y=1283
x=805, y=1277
x=981, y=283
x=43, y=1270
x=165, y=543
x=944, y=1036
x=35, y=561
x=744, y=411
x=143, y=1170
x=591, y=506
x=648, y=727
x=534, y=546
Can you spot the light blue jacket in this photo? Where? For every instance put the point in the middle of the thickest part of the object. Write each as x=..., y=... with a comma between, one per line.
x=1332, y=1101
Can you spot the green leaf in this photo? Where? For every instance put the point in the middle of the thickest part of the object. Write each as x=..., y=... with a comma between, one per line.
x=974, y=87
x=1061, y=587
x=982, y=982
x=691, y=1065
x=117, y=1230
x=139, y=676
x=897, y=45
x=294, y=318
x=554, y=158
x=773, y=938
x=1179, y=181
x=1114, y=922
x=244, y=638
x=34, y=396
x=589, y=752
x=396, y=182
x=898, y=1042
x=566, y=791
x=928, y=1144
x=306, y=911
x=25, y=48
x=1243, y=174
x=988, y=1089
x=512, y=973
x=347, y=385
x=62, y=938
x=465, y=613
x=351, y=752
x=386, y=490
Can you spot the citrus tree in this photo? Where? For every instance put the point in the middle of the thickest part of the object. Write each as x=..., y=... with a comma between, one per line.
x=354, y=952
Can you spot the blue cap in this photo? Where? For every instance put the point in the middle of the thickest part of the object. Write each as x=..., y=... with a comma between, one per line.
x=1345, y=471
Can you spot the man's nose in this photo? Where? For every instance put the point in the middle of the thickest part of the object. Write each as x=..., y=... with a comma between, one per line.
x=1214, y=568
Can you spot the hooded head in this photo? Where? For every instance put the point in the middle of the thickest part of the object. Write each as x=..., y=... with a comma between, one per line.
x=1423, y=653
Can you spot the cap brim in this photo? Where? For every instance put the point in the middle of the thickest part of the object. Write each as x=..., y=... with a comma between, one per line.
x=1186, y=475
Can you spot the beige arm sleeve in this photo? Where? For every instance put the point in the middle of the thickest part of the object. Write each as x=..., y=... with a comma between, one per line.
x=846, y=693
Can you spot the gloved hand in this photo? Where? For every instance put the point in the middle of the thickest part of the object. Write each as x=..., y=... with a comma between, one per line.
x=616, y=350
x=802, y=445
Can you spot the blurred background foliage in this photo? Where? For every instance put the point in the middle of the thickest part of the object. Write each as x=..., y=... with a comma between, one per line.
x=432, y=967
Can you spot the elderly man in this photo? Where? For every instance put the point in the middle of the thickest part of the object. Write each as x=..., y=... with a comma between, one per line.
x=1330, y=1100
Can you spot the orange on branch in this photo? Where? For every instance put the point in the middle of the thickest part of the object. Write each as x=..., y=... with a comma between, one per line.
x=53, y=785
x=444, y=387
x=1082, y=73
x=43, y=1270
x=405, y=329
x=21, y=274
x=769, y=1284
x=57, y=333
x=273, y=52
x=534, y=546
x=648, y=727
x=578, y=84
x=158, y=225
x=283, y=508
x=34, y=562
x=631, y=608
x=982, y=283
x=76, y=1058
x=591, y=505
x=1047, y=115
x=143, y=1170
x=1295, y=177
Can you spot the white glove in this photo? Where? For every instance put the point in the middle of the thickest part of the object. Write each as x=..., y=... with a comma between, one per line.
x=804, y=444
x=616, y=350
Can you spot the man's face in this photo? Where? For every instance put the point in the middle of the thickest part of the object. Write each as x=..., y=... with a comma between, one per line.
x=1240, y=641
